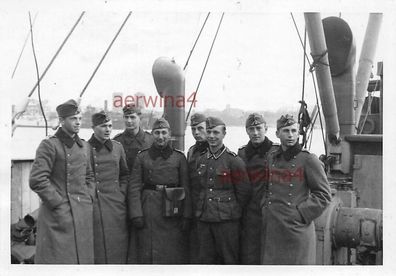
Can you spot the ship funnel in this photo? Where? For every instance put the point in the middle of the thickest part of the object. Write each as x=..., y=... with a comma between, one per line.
x=342, y=57
x=318, y=46
x=170, y=83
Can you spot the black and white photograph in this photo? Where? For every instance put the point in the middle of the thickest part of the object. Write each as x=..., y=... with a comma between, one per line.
x=192, y=137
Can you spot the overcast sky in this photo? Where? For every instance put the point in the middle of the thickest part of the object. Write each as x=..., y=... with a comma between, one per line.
x=256, y=63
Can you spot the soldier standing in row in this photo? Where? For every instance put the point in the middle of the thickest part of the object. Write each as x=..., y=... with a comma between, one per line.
x=133, y=139
x=112, y=178
x=159, y=200
x=61, y=175
x=298, y=192
x=224, y=191
x=254, y=155
x=198, y=130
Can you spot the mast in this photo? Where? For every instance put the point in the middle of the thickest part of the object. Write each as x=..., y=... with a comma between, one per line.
x=318, y=46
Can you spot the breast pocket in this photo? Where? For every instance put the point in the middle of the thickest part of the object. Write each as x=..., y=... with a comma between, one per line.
x=223, y=180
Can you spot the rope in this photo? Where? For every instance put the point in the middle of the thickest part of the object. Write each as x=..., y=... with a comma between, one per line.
x=368, y=111
x=23, y=48
x=206, y=63
x=314, y=84
x=317, y=59
x=56, y=54
x=195, y=43
x=103, y=57
x=38, y=75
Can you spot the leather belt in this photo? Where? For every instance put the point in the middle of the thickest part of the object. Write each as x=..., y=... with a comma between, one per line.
x=154, y=187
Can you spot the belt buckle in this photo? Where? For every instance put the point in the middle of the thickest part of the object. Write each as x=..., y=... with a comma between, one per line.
x=159, y=187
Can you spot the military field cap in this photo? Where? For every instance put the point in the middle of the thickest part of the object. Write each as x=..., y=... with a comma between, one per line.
x=100, y=118
x=254, y=119
x=197, y=118
x=67, y=109
x=212, y=122
x=284, y=121
x=160, y=123
x=130, y=109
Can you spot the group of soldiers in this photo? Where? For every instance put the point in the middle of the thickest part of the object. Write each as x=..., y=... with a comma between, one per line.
x=135, y=199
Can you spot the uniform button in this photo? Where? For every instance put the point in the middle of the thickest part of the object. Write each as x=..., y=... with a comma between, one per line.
x=291, y=185
x=98, y=191
x=270, y=173
x=293, y=165
x=97, y=182
x=68, y=154
x=269, y=202
x=290, y=194
x=210, y=179
x=210, y=190
x=291, y=174
x=96, y=165
x=273, y=165
x=270, y=193
x=270, y=184
x=289, y=203
x=210, y=199
x=68, y=183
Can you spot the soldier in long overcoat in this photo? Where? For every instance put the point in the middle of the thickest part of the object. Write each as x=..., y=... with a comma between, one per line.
x=110, y=207
x=254, y=154
x=198, y=130
x=224, y=191
x=161, y=239
x=298, y=192
x=133, y=139
x=61, y=176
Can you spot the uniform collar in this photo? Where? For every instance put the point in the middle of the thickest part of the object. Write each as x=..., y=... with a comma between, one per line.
x=95, y=143
x=139, y=136
x=216, y=154
x=290, y=152
x=200, y=146
x=261, y=149
x=67, y=139
x=156, y=152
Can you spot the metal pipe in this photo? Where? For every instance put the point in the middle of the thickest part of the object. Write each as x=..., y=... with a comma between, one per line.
x=318, y=46
x=366, y=61
x=169, y=80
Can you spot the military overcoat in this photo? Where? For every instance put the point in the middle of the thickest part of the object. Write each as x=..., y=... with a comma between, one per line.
x=298, y=192
x=110, y=207
x=132, y=145
x=61, y=175
x=255, y=159
x=162, y=240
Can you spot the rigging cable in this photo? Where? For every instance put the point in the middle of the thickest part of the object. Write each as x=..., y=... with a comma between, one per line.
x=56, y=54
x=303, y=116
x=368, y=111
x=103, y=57
x=314, y=84
x=23, y=48
x=195, y=43
x=38, y=76
x=206, y=63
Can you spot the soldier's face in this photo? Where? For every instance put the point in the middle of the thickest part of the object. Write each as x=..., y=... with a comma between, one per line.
x=132, y=121
x=71, y=124
x=215, y=136
x=199, y=132
x=102, y=132
x=288, y=136
x=161, y=137
x=256, y=133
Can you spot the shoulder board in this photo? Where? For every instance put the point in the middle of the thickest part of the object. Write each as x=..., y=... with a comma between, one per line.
x=146, y=132
x=241, y=148
x=118, y=135
x=140, y=151
x=179, y=151
x=231, y=152
x=50, y=136
x=204, y=152
x=276, y=144
x=115, y=141
x=305, y=150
